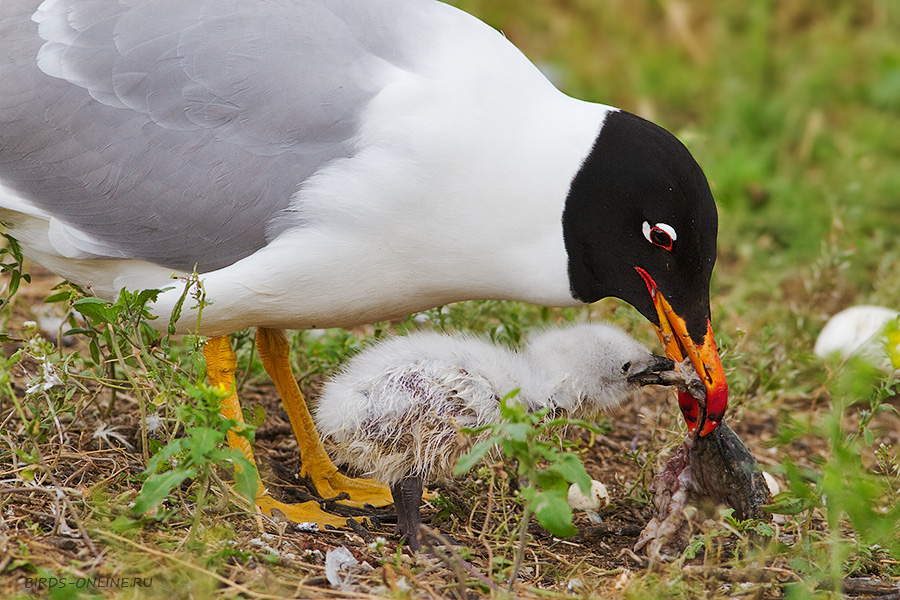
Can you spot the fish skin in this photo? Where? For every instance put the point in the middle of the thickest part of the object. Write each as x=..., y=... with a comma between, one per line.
x=725, y=471
x=718, y=467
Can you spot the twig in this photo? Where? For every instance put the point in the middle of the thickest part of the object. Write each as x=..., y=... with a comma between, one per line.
x=622, y=530
x=60, y=495
x=113, y=389
x=614, y=445
x=860, y=586
x=72, y=513
x=28, y=490
x=87, y=464
x=103, y=481
x=873, y=590
x=640, y=560
x=469, y=568
x=407, y=573
x=489, y=509
x=490, y=557
x=224, y=497
x=248, y=370
x=453, y=565
x=747, y=575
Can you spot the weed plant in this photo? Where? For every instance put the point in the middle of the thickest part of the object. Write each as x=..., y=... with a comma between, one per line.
x=545, y=471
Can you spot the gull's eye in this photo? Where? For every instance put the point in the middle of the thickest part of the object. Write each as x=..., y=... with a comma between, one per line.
x=626, y=366
x=661, y=234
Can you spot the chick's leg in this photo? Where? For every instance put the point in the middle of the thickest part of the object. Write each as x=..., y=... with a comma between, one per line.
x=407, y=495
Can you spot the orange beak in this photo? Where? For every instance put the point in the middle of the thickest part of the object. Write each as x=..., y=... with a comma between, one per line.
x=673, y=334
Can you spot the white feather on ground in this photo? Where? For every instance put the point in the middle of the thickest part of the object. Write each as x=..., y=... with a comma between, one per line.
x=396, y=409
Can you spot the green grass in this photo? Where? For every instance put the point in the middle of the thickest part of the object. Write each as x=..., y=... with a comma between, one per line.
x=793, y=110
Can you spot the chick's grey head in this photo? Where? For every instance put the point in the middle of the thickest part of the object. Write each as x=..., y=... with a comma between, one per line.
x=592, y=366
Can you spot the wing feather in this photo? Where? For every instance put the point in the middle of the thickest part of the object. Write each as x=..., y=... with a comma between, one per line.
x=178, y=132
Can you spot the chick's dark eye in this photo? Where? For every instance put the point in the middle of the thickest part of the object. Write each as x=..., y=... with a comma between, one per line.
x=625, y=367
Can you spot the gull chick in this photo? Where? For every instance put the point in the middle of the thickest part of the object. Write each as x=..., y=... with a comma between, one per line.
x=395, y=410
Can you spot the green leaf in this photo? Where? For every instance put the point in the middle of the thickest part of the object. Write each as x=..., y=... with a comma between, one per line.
x=154, y=446
x=255, y=417
x=60, y=296
x=203, y=442
x=170, y=450
x=516, y=431
x=549, y=479
x=553, y=512
x=245, y=476
x=176, y=312
x=471, y=458
x=570, y=467
x=95, y=351
x=477, y=430
x=78, y=331
x=158, y=487
x=142, y=297
x=97, y=309
x=786, y=505
x=13, y=285
x=567, y=422
x=693, y=548
x=511, y=410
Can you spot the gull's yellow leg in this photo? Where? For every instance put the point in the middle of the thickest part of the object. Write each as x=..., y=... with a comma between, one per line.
x=220, y=366
x=274, y=350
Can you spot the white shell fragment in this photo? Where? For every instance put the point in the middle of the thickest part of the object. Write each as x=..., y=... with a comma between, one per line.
x=597, y=499
x=591, y=503
x=336, y=561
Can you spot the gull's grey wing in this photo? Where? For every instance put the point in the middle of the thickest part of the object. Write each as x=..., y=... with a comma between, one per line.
x=177, y=131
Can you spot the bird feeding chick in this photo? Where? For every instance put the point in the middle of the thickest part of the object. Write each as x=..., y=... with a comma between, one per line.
x=396, y=409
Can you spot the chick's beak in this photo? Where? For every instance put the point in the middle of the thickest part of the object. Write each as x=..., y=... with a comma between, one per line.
x=652, y=374
x=679, y=345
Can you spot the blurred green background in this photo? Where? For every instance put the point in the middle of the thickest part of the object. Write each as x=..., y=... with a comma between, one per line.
x=793, y=110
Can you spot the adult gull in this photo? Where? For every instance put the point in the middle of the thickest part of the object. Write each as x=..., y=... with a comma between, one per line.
x=325, y=163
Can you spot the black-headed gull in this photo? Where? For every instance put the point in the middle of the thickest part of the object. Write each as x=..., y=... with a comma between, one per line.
x=334, y=162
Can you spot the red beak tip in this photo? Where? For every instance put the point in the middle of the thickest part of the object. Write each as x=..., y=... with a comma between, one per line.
x=708, y=427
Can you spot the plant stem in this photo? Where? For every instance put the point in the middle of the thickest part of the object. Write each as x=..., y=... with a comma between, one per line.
x=520, y=553
x=145, y=451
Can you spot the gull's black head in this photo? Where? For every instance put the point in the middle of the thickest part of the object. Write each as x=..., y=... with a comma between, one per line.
x=640, y=224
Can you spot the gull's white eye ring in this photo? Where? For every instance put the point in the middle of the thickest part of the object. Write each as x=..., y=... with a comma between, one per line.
x=661, y=234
